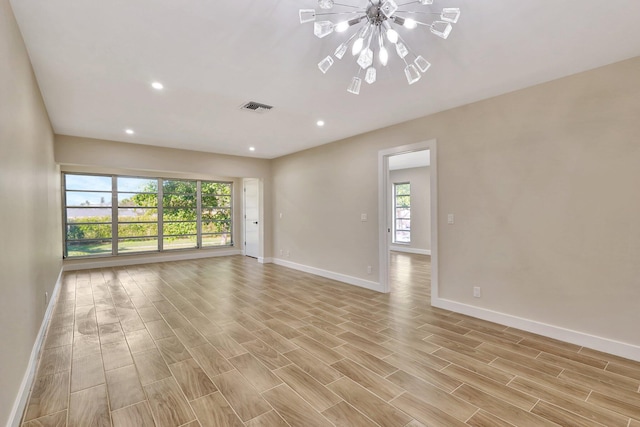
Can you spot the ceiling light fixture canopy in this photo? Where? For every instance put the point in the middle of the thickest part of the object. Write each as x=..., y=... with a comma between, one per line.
x=378, y=25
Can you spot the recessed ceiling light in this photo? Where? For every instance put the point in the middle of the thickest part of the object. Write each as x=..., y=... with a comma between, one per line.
x=129, y=131
x=320, y=123
x=157, y=85
x=252, y=148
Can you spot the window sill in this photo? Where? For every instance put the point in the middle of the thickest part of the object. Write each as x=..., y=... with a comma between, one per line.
x=104, y=261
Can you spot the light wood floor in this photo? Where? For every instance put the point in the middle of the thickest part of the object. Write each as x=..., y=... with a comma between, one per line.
x=230, y=342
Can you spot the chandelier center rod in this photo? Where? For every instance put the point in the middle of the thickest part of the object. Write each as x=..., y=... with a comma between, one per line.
x=375, y=15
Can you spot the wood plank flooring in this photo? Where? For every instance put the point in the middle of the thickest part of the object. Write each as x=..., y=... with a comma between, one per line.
x=231, y=342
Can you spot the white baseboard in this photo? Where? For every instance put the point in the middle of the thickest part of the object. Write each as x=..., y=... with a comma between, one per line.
x=374, y=286
x=149, y=259
x=262, y=260
x=27, y=381
x=628, y=351
x=410, y=250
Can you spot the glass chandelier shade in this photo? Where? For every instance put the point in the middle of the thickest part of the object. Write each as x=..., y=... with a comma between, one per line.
x=374, y=29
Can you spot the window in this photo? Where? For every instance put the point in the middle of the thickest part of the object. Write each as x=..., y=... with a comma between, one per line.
x=215, y=212
x=179, y=214
x=114, y=215
x=88, y=215
x=402, y=213
x=137, y=214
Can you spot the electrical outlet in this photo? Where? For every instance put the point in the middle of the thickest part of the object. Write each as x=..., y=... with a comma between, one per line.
x=450, y=219
x=368, y=269
x=477, y=292
x=287, y=253
x=281, y=252
x=363, y=217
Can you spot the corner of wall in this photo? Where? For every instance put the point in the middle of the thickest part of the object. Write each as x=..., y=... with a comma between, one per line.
x=19, y=405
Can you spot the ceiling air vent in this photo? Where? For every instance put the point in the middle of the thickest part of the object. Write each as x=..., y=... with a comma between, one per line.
x=256, y=107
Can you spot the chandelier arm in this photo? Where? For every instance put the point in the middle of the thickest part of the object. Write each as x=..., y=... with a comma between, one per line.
x=410, y=2
x=404, y=42
x=419, y=11
x=347, y=5
x=411, y=51
x=370, y=38
x=417, y=22
x=384, y=59
x=350, y=39
x=379, y=29
x=340, y=13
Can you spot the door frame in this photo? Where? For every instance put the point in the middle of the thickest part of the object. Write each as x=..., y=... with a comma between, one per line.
x=385, y=215
x=260, y=218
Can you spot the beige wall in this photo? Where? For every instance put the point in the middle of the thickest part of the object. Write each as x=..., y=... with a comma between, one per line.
x=76, y=154
x=321, y=194
x=30, y=249
x=544, y=186
x=420, y=181
x=70, y=150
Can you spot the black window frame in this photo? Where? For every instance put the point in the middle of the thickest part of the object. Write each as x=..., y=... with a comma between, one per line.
x=404, y=219
x=155, y=221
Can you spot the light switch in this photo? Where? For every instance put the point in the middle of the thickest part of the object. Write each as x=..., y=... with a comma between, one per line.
x=363, y=217
x=450, y=219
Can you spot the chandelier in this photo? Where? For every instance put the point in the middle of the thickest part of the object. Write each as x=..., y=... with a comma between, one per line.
x=376, y=24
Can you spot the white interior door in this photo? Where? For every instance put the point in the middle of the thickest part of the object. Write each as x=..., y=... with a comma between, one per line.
x=251, y=217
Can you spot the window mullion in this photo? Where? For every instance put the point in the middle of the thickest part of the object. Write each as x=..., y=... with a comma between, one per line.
x=231, y=211
x=199, y=214
x=160, y=215
x=65, y=223
x=114, y=215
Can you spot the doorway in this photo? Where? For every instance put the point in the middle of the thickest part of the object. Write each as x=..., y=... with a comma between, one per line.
x=386, y=212
x=251, y=204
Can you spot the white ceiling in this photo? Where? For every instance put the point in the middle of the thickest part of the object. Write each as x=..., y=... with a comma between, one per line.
x=94, y=61
x=415, y=159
